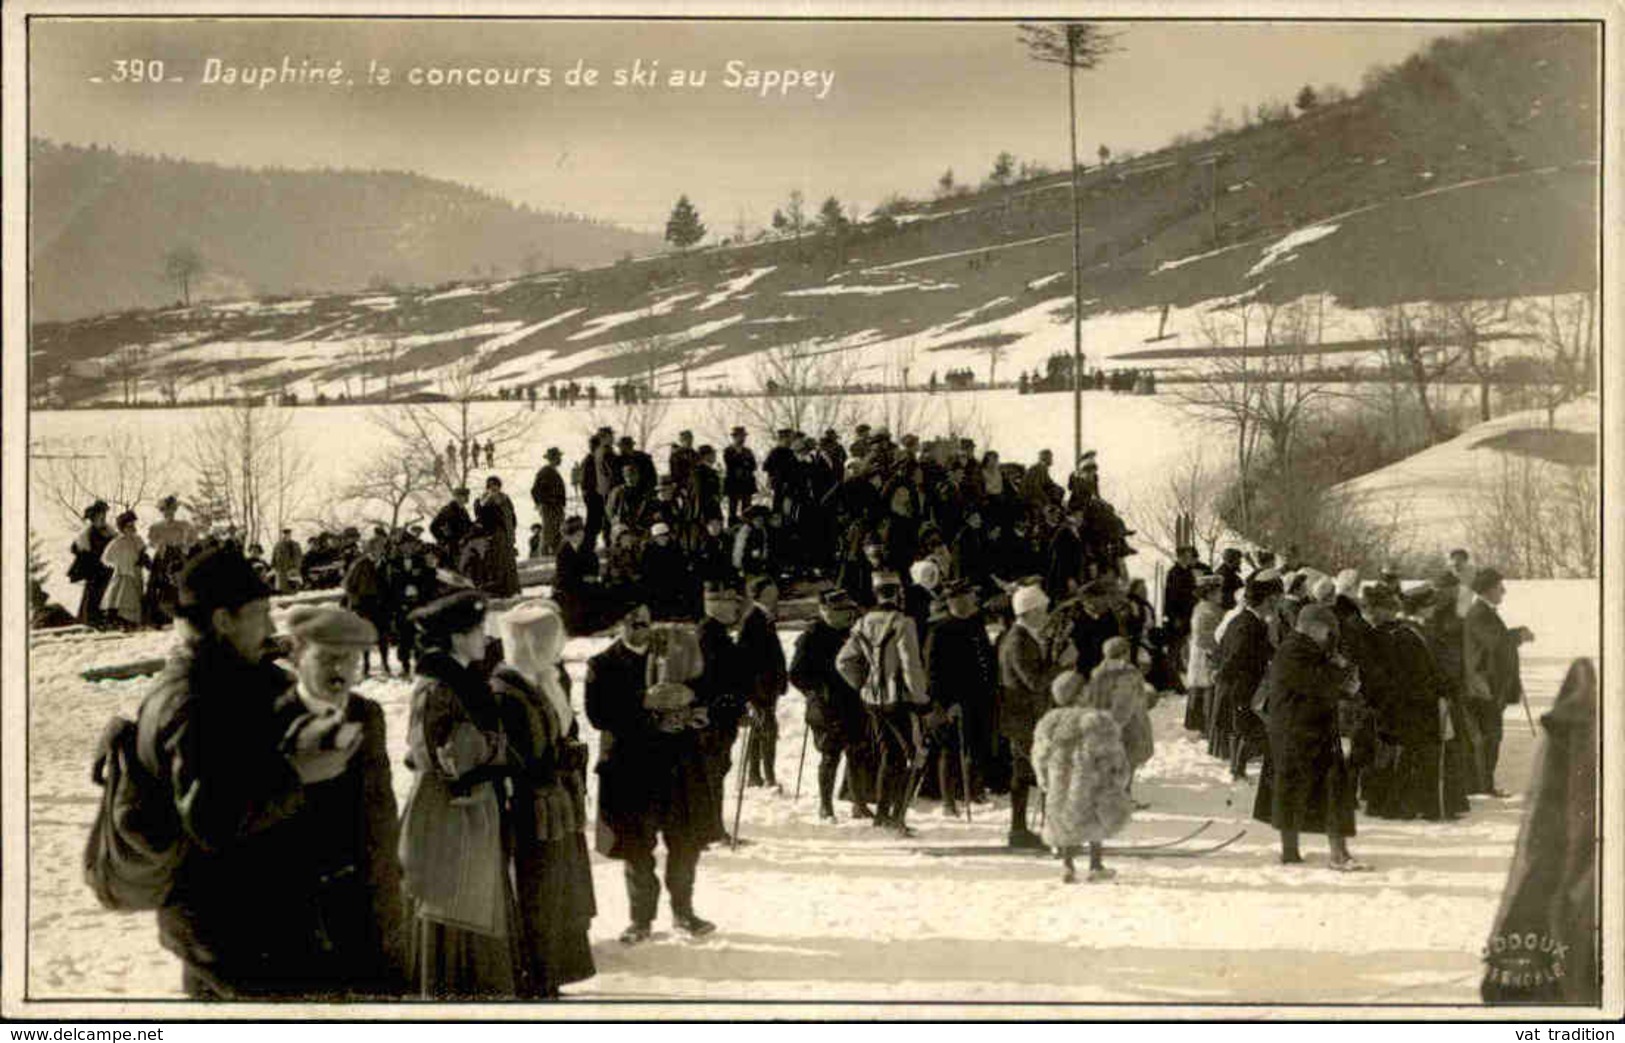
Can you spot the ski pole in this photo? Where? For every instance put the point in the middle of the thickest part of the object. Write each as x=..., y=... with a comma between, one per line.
x=743, y=768
x=1526, y=714
x=964, y=761
x=801, y=765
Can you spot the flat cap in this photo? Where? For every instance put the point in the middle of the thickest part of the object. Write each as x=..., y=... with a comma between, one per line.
x=330, y=625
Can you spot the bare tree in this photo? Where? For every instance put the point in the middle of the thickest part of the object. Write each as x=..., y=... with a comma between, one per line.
x=801, y=385
x=1227, y=390
x=1191, y=488
x=1538, y=520
x=182, y=265
x=121, y=465
x=1417, y=351
x=1563, y=335
x=249, y=470
x=126, y=370
x=465, y=418
x=393, y=479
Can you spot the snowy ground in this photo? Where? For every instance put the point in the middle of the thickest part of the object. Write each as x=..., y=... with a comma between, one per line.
x=807, y=911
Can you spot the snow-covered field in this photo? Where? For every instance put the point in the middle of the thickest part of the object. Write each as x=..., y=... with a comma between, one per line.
x=813, y=912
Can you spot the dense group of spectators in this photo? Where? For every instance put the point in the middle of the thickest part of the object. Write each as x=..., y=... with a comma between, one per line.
x=1381, y=694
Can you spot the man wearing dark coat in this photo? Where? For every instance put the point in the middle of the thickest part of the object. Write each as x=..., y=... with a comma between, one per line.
x=1305, y=786
x=597, y=472
x=548, y=494
x=1230, y=569
x=652, y=780
x=721, y=690
x=663, y=574
x=1357, y=642
x=680, y=461
x=761, y=665
x=1244, y=658
x=971, y=559
x=577, y=584
x=963, y=671
x=244, y=913
x=1443, y=629
x=1064, y=573
x=781, y=468
x=1095, y=625
x=631, y=455
x=495, y=514
x=1490, y=667
x=834, y=710
x=452, y=525
x=1418, y=704
x=858, y=571
x=739, y=475
x=1179, y=595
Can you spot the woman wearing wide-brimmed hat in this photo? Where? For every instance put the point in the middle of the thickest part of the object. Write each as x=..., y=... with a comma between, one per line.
x=87, y=567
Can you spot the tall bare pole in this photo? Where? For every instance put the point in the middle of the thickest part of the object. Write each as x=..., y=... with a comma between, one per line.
x=1076, y=45
x=1077, y=249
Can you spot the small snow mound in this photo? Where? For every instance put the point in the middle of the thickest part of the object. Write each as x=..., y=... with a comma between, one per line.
x=1282, y=249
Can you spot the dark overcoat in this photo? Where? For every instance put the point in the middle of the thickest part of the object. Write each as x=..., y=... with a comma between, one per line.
x=834, y=708
x=1305, y=784
x=648, y=779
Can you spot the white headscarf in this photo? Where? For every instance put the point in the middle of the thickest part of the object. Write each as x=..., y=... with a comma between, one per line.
x=533, y=642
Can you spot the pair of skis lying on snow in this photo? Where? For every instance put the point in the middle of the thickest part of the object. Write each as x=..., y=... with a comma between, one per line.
x=1160, y=849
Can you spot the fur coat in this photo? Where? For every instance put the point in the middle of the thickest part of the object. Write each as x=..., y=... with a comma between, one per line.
x=1083, y=770
x=1119, y=688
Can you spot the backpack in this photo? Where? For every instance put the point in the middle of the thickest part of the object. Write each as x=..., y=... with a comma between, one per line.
x=135, y=844
x=878, y=689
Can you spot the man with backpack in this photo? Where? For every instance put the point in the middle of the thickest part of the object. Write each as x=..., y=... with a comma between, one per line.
x=216, y=841
x=881, y=659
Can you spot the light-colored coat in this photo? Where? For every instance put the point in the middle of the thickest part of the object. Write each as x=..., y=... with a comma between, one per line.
x=1083, y=770
x=1119, y=689
x=901, y=674
x=1204, y=643
x=123, y=594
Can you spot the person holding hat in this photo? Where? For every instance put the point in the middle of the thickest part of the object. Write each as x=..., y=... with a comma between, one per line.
x=452, y=525
x=881, y=660
x=663, y=573
x=349, y=828
x=1203, y=653
x=1490, y=667
x=1245, y=651
x=169, y=541
x=552, y=869
x=123, y=557
x=463, y=936
x=739, y=475
x=547, y=492
x=834, y=710
x=239, y=915
x=87, y=567
x=652, y=776
x=1306, y=785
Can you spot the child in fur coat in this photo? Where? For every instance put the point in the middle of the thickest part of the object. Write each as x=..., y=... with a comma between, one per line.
x=1083, y=770
x=1118, y=687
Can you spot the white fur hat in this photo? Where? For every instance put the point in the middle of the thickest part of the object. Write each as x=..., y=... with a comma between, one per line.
x=925, y=573
x=1029, y=598
x=1348, y=583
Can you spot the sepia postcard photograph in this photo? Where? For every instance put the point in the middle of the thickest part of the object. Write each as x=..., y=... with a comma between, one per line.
x=959, y=513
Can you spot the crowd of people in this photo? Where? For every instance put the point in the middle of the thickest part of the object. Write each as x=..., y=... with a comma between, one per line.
x=1376, y=695
x=976, y=633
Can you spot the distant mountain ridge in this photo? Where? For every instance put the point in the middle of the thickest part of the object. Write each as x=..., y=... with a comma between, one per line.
x=102, y=221
x=1468, y=172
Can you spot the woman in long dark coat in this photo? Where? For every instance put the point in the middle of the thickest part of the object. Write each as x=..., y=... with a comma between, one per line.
x=549, y=803
x=463, y=938
x=87, y=562
x=1305, y=785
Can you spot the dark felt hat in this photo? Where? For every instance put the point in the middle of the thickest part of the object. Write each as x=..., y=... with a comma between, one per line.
x=124, y=518
x=553, y=453
x=737, y=430
x=452, y=614
x=99, y=507
x=1486, y=578
x=220, y=578
x=574, y=524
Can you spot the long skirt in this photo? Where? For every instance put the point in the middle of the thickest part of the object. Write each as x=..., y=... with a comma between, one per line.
x=121, y=602
x=453, y=963
x=1196, y=711
x=1221, y=724
x=556, y=905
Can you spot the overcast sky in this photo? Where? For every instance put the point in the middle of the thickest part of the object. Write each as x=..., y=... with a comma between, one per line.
x=907, y=100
